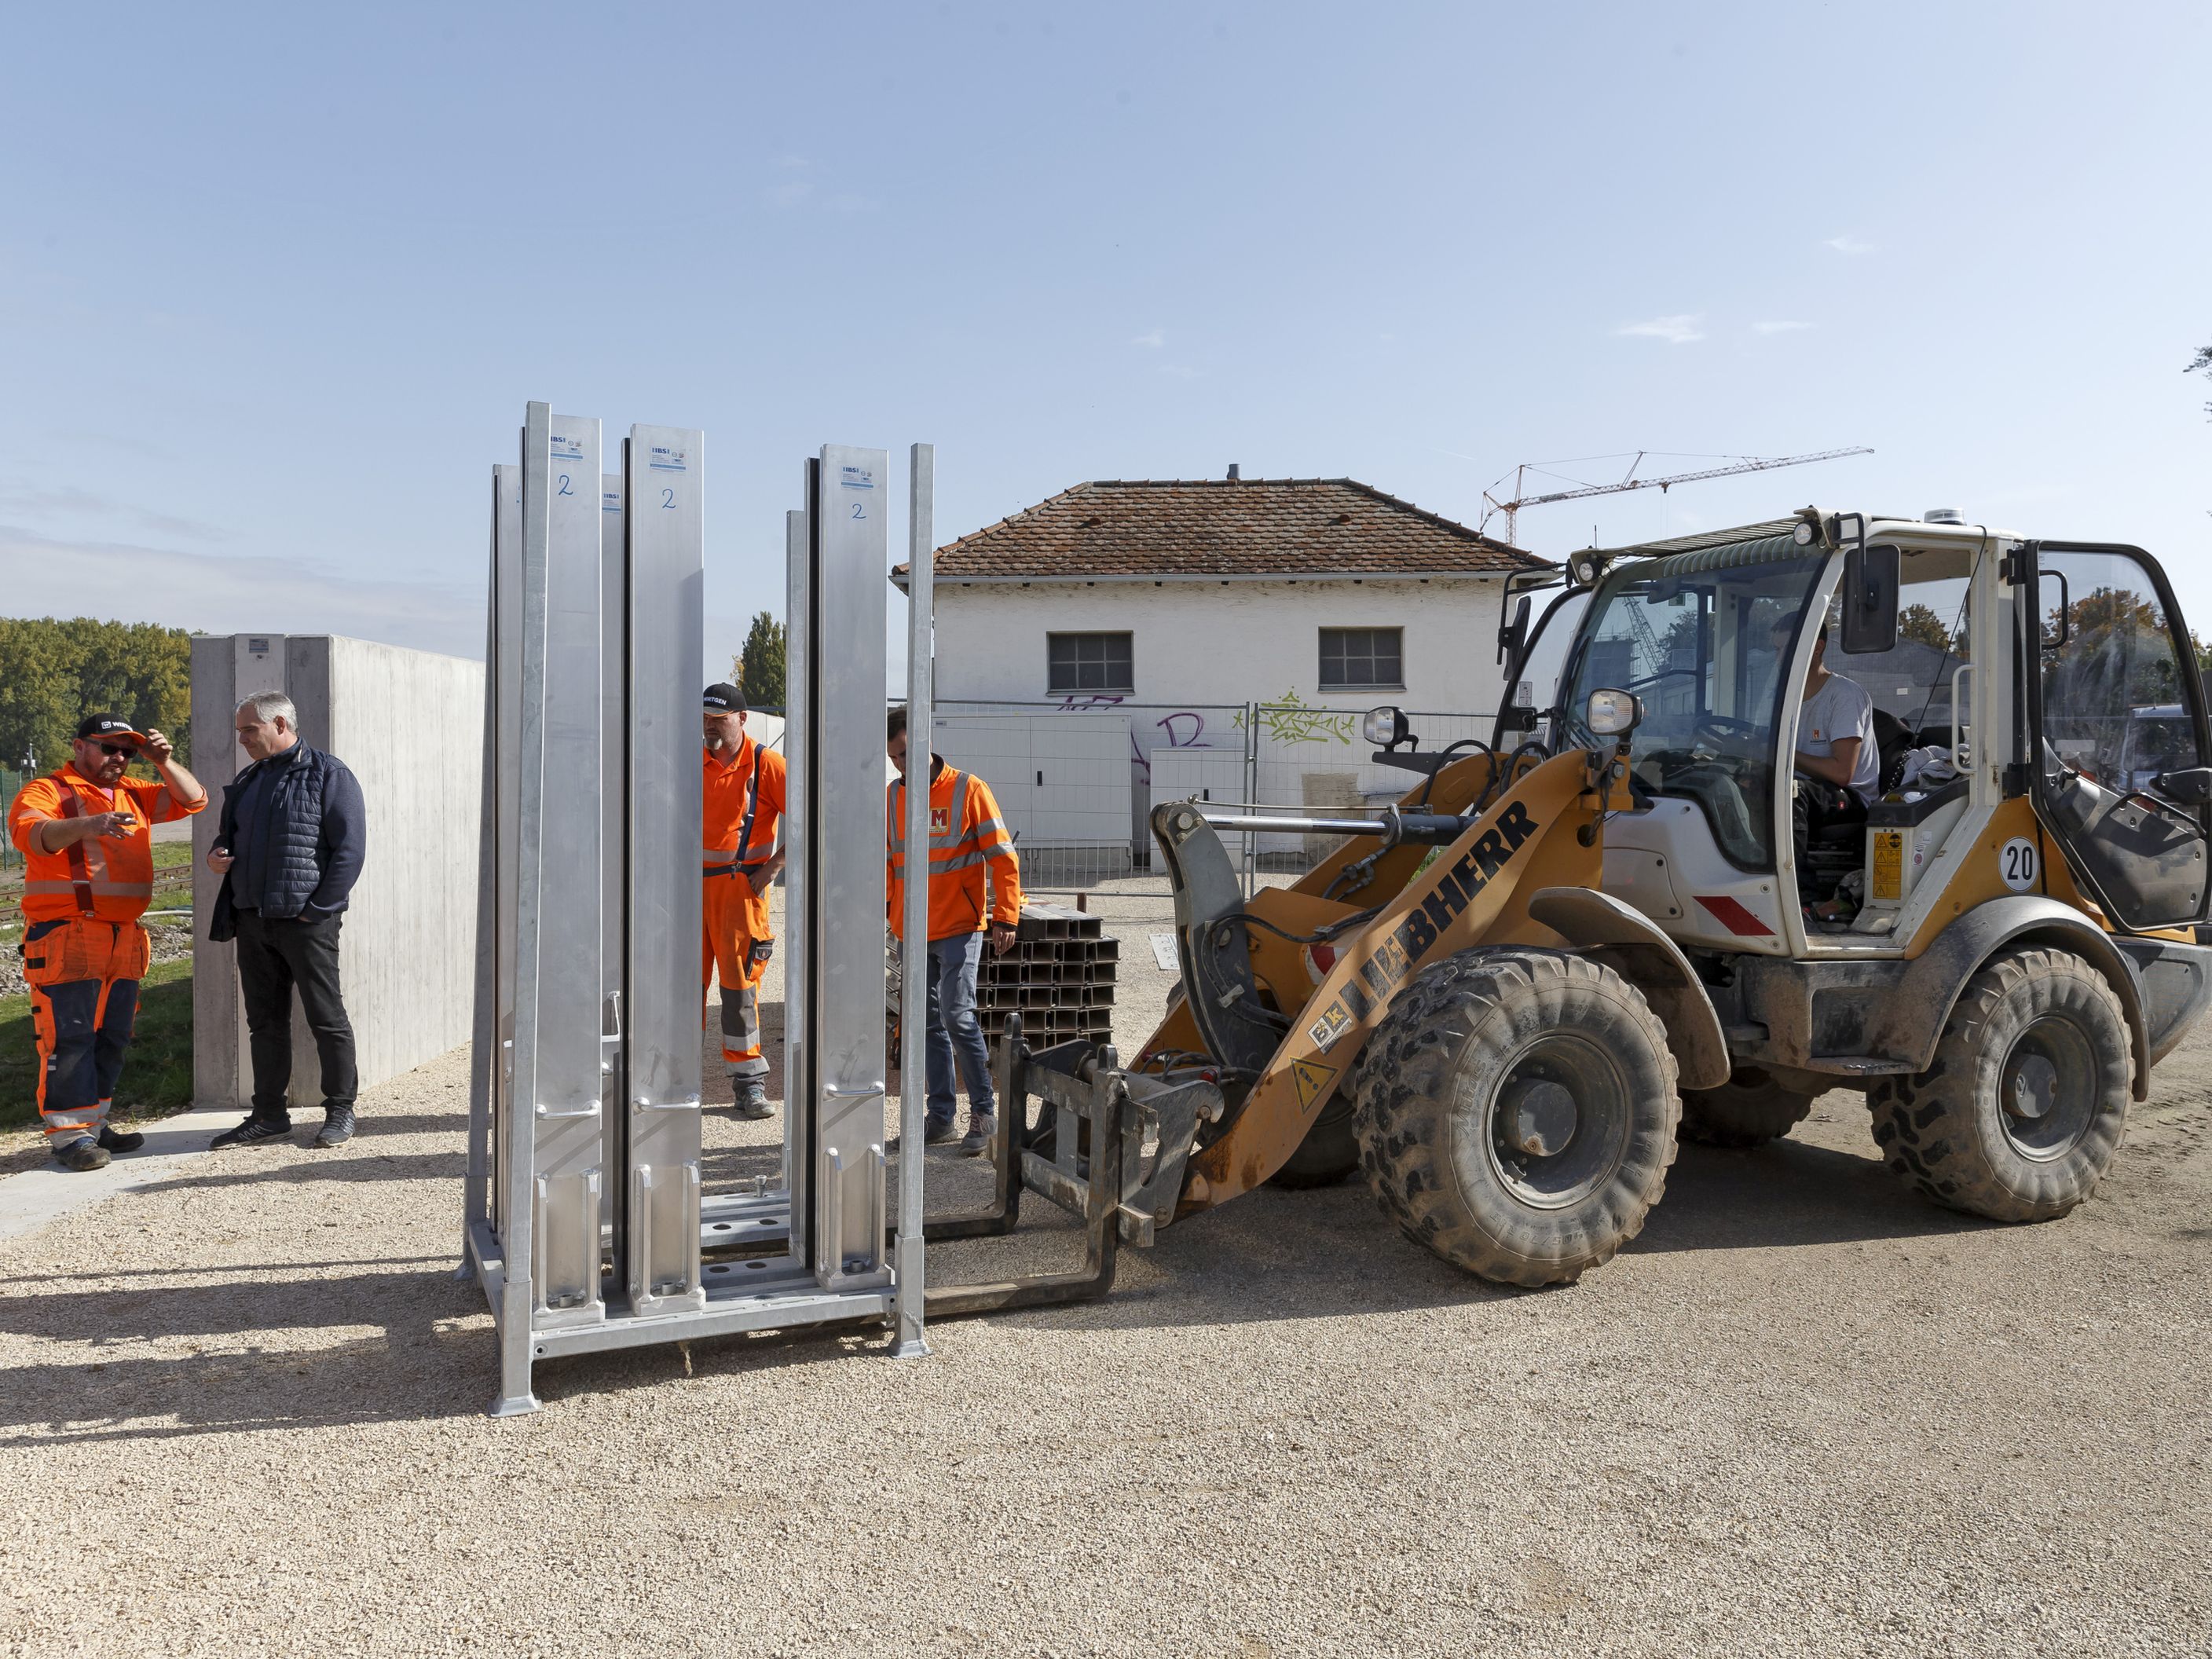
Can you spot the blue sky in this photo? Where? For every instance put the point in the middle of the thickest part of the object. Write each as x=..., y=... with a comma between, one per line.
x=275, y=283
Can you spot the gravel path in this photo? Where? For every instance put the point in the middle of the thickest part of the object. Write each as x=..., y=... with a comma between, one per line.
x=241, y=1412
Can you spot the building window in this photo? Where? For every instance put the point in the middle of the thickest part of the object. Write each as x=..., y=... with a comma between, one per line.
x=1089, y=662
x=1363, y=659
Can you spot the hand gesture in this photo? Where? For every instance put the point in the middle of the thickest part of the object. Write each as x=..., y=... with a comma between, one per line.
x=112, y=826
x=220, y=860
x=156, y=749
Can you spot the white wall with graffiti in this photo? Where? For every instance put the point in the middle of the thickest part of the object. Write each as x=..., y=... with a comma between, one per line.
x=1226, y=686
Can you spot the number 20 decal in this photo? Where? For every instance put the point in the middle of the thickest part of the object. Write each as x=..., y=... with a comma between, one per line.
x=2017, y=864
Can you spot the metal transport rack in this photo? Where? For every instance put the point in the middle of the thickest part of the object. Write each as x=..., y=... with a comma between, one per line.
x=584, y=1220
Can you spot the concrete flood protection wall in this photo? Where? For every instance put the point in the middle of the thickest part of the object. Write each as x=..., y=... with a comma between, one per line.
x=410, y=724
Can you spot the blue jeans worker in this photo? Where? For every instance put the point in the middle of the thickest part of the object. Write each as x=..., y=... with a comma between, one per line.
x=970, y=846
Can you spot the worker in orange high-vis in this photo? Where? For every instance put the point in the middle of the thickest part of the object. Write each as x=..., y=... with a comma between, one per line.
x=967, y=839
x=742, y=808
x=86, y=833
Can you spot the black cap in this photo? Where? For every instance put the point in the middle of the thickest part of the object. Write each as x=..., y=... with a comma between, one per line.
x=725, y=699
x=109, y=725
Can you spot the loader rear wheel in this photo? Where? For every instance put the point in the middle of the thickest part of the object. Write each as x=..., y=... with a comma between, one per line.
x=1749, y=1109
x=1517, y=1112
x=2023, y=1109
x=1330, y=1151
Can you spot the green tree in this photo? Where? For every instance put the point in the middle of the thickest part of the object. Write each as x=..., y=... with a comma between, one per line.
x=2201, y=364
x=1917, y=621
x=760, y=665
x=52, y=673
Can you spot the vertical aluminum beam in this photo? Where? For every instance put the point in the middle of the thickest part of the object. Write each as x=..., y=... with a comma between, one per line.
x=503, y=683
x=484, y=1045
x=560, y=1003
x=914, y=961
x=665, y=605
x=850, y=545
x=798, y=887
x=614, y=842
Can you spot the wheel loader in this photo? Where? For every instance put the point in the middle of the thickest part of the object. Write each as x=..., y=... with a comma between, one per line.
x=1618, y=924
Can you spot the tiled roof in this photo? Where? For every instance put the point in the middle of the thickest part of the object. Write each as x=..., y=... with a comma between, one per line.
x=1248, y=527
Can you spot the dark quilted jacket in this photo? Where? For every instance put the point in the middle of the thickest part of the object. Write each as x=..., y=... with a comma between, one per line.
x=315, y=830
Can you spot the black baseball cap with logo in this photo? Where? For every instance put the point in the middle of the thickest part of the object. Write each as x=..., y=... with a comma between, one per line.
x=724, y=698
x=94, y=727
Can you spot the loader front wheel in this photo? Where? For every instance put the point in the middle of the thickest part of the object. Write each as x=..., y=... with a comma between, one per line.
x=1749, y=1109
x=1517, y=1112
x=2023, y=1108
x=1329, y=1152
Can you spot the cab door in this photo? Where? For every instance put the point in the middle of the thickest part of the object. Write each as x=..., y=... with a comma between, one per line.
x=2118, y=748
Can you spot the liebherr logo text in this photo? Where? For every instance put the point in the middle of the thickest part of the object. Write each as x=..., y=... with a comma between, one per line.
x=1420, y=927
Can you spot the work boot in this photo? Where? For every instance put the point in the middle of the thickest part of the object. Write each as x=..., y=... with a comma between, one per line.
x=254, y=1132
x=112, y=1142
x=935, y=1132
x=752, y=1098
x=981, y=1125
x=337, y=1127
x=82, y=1154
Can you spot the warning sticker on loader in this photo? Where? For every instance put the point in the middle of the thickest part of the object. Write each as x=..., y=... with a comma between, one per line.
x=1333, y=1025
x=1314, y=1080
x=1888, y=864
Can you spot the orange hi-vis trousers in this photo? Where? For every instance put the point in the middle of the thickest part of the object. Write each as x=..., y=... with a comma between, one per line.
x=738, y=942
x=83, y=976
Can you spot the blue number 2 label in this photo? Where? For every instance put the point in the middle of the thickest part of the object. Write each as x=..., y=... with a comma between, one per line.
x=668, y=499
x=858, y=511
x=564, y=489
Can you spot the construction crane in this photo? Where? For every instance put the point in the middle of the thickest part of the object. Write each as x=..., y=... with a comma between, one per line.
x=1511, y=509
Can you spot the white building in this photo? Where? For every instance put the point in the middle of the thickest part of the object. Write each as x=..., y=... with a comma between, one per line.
x=1149, y=615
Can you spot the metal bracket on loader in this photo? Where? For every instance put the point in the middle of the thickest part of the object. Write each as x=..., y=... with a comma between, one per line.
x=1085, y=1153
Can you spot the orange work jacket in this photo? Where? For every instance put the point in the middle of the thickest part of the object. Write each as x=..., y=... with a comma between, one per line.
x=743, y=806
x=966, y=835
x=102, y=880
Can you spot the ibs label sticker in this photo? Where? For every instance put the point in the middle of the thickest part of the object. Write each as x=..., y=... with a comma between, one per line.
x=566, y=447
x=856, y=478
x=666, y=458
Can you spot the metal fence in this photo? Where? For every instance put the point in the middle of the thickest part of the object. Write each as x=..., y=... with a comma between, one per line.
x=11, y=784
x=1077, y=779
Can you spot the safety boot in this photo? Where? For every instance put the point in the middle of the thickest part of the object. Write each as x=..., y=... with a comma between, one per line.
x=113, y=1142
x=83, y=1154
x=337, y=1127
x=981, y=1125
x=751, y=1097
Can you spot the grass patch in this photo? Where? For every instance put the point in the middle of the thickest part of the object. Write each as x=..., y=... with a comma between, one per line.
x=157, y=1072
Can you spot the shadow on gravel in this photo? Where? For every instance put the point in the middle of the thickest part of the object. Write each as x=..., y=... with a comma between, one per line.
x=1787, y=1194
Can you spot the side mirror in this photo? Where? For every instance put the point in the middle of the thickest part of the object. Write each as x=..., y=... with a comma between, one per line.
x=1387, y=726
x=1514, y=635
x=1869, y=599
x=1610, y=714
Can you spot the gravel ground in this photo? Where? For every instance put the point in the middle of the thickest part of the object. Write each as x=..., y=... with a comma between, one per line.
x=241, y=1411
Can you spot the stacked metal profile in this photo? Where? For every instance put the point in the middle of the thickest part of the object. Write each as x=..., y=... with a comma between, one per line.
x=1059, y=977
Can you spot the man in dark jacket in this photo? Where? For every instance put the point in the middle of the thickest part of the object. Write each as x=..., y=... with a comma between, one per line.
x=289, y=848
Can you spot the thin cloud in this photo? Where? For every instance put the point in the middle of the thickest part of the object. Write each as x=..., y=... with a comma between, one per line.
x=790, y=193
x=1778, y=328
x=1179, y=371
x=19, y=496
x=1678, y=330
x=1154, y=338
x=1848, y=243
x=222, y=593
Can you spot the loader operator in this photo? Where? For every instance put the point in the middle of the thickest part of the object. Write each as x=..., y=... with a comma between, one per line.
x=743, y=806
x=967, y=837
x=1838, y=765
x=86, y=833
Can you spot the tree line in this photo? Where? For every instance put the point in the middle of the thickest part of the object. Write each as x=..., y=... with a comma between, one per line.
x=53, y=672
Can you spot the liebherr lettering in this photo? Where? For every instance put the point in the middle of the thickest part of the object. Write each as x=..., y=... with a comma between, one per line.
x=1401, y=951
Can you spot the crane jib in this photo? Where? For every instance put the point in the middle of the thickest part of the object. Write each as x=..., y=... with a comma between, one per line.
x=1402, y=948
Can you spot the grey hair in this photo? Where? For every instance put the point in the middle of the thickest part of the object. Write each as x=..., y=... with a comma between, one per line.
x=272, y=706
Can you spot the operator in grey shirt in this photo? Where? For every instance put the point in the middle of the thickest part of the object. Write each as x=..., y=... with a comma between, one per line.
x=1837, y=762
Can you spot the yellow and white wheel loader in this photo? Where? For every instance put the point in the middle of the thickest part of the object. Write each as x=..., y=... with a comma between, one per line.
x=1623, y=921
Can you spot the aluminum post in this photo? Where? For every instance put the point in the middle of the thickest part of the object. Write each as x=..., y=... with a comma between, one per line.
x=913, y=958
x=849, y=548
x=483, y=1035
x=503, y=680
x=517, y=1239
x=798, y=1052
x=560, y=895
x=665, y=609
x=614, y=842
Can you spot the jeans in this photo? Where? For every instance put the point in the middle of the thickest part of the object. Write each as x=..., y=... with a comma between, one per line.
x=275, y=955
x=953, y=1028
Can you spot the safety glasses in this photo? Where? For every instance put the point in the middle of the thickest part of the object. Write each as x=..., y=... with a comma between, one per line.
x=128, y=751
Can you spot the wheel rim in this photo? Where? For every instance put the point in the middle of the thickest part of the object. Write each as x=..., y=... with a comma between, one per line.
x=2047, y=1090
x=1556, y=1127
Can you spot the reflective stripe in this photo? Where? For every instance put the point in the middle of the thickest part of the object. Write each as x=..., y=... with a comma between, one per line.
x=103, y=889
x=716, y=855
x=958, y=861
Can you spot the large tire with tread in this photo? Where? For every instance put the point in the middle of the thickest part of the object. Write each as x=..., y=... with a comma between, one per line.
x=1749, y=1109
x=1517, y=1112
x=1330, y=1151
x=2025, y=1105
